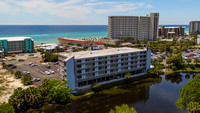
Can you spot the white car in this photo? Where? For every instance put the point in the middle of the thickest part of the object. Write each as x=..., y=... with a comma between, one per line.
x=47, y=72
x=51, y=71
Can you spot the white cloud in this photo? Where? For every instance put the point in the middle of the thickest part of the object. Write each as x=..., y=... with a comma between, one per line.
x=149, y=6
x=73, y=9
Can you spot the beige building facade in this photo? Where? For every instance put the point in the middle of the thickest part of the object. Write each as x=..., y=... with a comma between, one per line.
x=137, y=27
x=170, y=31
x=194, y=27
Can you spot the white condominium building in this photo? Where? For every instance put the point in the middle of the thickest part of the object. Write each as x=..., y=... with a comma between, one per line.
x=137, y=27
x=82, y=69
x=194, y=27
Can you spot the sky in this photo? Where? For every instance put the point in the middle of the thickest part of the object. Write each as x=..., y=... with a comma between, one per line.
x=94, y=12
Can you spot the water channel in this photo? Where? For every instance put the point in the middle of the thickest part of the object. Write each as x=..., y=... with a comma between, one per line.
x=145, y=98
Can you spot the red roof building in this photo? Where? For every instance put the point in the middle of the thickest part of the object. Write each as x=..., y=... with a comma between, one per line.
x=65, y=41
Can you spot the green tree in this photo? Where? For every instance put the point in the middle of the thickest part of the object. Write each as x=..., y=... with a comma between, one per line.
x=175, y=60
x=17, y=74
x=57, y=49
x=188, y=60
x=6, y=108
x=50, y=57
x=55, y=91
x=123, y=109
x=51, y=91
x=196, y=60
x=160, y=60
x=26, y=79
x=189, y=96
x=25, y=99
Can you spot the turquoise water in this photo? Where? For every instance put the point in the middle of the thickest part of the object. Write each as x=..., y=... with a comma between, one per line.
x=50, y=33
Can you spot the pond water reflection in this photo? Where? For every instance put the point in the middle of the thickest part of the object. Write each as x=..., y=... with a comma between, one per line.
x=144, y=97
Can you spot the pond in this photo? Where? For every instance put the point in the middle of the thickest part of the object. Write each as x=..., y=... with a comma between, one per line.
x=144, y=97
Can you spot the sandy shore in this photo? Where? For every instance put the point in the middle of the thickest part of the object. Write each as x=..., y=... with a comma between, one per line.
x=7, y=84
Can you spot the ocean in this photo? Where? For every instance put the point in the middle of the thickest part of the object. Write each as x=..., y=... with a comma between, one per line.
x=50, y=33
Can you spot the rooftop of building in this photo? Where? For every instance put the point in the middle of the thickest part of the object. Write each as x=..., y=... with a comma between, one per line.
x=172, y=27
x=15, y=38
x=98, y=53
x=80, y=41
x=147, y=15
x=195, y=21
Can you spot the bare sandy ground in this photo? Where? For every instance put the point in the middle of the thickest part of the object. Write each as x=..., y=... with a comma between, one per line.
x=7, y=84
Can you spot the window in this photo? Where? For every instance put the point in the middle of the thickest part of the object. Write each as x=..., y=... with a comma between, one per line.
x=87, y=70
x=78, y=61
x=79, y=71
x=78, y=66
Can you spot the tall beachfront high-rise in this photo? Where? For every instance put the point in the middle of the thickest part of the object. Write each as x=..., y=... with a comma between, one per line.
x=194, y=27
x=137, y=27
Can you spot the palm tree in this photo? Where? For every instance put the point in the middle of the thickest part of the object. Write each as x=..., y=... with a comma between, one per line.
x=127, y=76
x=57, y=49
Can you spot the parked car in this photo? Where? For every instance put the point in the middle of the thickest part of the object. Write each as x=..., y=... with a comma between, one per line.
x=48, y=66
x=35, y=79
x=38, y=79
x=13, y=67
x=33, y=64
x=47, y=72
x=9, y=65
x=31, y=55
x=51, y=71
x=25, y=72
x=12, y=59
x=20, y=60
x=56, y=63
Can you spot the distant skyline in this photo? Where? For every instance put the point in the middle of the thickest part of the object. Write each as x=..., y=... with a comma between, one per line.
x=94, y=12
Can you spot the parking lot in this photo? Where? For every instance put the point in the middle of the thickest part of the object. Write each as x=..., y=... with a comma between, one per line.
x=185, y=54
x=36, y=71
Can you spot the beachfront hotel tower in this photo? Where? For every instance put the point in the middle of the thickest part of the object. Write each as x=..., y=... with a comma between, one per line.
x=82, y=69
x=137, y=27
x=9, y=45
x=194, y=27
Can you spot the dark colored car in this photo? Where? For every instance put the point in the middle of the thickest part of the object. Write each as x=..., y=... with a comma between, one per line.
x=20, y=60
x=48, y=66
x=12, y=67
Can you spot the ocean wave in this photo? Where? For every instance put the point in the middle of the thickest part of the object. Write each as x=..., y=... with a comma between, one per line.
x=40, y=35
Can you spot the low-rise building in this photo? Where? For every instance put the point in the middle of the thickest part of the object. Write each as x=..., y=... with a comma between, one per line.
x=50, y=47
x=84, y=68
x=85, y=43
x=170, y=31
x=16, y=45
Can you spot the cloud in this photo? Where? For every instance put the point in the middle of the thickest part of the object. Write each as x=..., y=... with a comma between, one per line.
x=149, y=6
x=72, y=9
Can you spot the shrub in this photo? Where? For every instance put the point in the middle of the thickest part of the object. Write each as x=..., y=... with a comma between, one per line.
x=174, y=68
x=6, y=108
x=123, y=109
x=26, y=79
x=4, y=65
x=94, y=85
x=18, y=74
